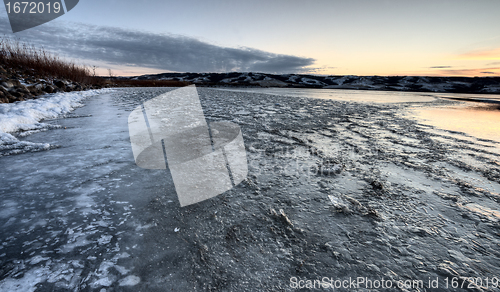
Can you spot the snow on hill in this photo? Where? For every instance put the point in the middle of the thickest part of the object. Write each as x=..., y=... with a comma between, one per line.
x=397, y=83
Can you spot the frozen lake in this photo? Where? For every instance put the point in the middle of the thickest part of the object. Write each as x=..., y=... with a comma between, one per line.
x=364, y=96
x=416, y=196
x=478, y=115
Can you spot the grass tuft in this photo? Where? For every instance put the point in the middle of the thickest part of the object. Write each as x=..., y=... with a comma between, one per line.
x=27, y=59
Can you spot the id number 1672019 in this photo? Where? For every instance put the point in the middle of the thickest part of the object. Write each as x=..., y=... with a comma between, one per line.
x=33, y=7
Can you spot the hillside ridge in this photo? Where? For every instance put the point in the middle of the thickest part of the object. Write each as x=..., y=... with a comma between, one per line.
x=390, y=83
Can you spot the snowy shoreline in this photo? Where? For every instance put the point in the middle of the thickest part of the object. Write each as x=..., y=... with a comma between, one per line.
x=23, y=118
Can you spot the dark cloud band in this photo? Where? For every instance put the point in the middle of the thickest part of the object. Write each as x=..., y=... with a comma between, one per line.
x=158, y=51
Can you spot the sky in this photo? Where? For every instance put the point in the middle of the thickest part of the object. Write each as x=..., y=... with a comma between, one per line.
x=352, y=37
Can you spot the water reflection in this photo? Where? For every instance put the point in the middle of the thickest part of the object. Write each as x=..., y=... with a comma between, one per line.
x=483, y=98
x=476, y=119
x=479, y=119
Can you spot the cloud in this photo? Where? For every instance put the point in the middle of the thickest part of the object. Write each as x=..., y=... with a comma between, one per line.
x=319, y=70
x=157, y=51
x=439, y=67
x=493, y=54
x=470, y=72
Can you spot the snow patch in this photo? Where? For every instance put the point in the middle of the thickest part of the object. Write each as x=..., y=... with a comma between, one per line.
x=105, y=239
x=25, y=284
x=130, y=281
x=76, y=239
x=8, y=209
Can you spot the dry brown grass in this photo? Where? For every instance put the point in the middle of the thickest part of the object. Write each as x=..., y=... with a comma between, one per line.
x=16, y=55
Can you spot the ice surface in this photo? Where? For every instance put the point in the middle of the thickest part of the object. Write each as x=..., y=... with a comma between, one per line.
x=361, y=96
x=84, y=217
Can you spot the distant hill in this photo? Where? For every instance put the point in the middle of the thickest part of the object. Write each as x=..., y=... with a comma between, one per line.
x=394, y=83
